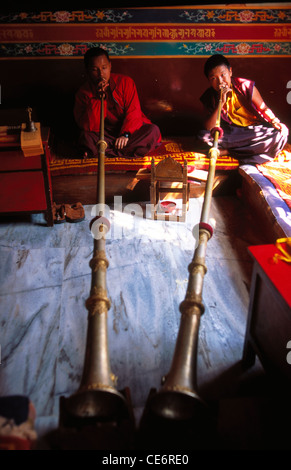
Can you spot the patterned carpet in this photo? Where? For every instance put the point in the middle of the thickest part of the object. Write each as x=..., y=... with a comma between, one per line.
x=177, y=148
x=278, y=171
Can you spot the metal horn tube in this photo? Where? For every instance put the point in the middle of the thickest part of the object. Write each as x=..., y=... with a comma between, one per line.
x=178, y=398
x=97, y=396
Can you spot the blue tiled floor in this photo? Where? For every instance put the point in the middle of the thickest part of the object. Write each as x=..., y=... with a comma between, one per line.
x=45, y=280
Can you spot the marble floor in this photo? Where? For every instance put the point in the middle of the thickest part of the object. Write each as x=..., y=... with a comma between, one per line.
x=45, y=280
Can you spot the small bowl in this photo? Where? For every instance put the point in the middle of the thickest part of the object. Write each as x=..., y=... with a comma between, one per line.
x=168, y=206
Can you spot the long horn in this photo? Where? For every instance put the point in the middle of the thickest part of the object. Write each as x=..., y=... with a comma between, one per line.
x=177, y=406
x=97, y=399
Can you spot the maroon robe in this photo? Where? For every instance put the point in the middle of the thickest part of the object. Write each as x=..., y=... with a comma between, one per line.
x=123, y=115
x=249, y=144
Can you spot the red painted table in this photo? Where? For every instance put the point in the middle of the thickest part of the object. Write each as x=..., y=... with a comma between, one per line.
x=269, y=317
x=25, y=183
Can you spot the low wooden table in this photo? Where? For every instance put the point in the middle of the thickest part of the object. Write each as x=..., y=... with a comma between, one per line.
x=25, y=183
x=167, y=177
x=269, y=317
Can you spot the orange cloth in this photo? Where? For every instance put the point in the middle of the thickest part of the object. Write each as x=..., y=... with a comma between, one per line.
x=238, y=114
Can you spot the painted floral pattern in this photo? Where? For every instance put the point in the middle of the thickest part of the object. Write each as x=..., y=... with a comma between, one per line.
x=242, y=49
x=62, y=16
x=66, y=49
x=233, y=15
x=117, y=30
x=136, y=49
x=118, y=15
x=246, y=16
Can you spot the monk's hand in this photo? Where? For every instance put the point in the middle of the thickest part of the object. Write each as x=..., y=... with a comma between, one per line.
x=121, y=142
x=280, y=126
x=101, y=88
x=284, y=129
x=225, y=90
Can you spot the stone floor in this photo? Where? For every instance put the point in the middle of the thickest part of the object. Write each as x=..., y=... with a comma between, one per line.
x=45, y=280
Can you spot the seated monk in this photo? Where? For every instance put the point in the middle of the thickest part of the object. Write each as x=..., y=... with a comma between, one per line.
x=251, y=132
x=127, y=131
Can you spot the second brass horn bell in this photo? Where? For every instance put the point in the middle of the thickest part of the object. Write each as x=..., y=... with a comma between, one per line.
x=175, y=416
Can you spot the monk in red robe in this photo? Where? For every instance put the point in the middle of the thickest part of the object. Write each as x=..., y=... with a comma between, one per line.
x=127, y=131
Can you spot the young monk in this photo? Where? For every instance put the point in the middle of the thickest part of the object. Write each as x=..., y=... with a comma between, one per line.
x=127, y=131
x=251, y=131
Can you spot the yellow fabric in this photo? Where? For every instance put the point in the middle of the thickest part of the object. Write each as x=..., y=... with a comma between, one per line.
x=237, y=113
x=286, y=252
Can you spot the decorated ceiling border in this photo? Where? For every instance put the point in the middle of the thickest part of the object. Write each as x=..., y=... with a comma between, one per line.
x=137, y=50
x=273, y=13
x=248, y=30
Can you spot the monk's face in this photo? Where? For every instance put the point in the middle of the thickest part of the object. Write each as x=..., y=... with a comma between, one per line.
x=99, y=70
x=220, y=77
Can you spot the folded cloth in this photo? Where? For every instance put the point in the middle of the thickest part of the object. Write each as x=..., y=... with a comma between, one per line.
x=74, y=212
